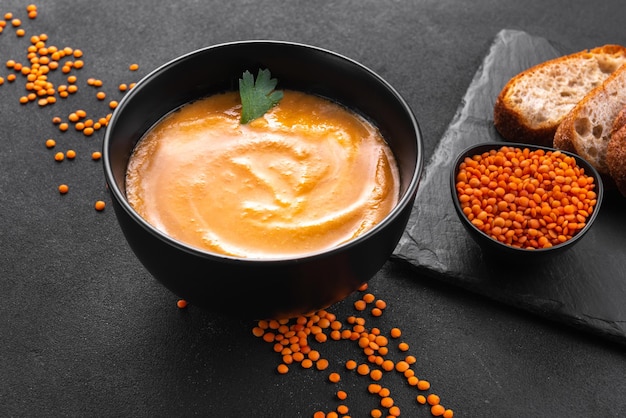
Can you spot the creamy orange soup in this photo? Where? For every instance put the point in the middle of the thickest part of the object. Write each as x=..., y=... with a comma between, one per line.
x=306, y=176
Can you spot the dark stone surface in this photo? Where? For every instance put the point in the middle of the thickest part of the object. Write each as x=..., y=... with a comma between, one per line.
x=584, y=287
x=85, y=331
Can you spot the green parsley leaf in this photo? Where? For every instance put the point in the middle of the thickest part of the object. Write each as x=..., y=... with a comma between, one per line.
x=257, y=98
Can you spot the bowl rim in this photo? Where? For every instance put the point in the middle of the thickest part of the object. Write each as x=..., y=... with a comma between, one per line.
x=404, y=200
x=494, y=145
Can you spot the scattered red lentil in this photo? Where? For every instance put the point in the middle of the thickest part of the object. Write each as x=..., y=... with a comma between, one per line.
x=291, y=339
x=386, y=402
x=100, y=205
x=376, y=413
x=360, y=305
x=71, y=154
x=402, y=366
x=423, y=385
x=63, y=188
x=321, y=364
x=363, y=369
x=433, y=399
x=437, y=410
x=59, y=156
x=368, y=298
x=394, y=411
x=181, y=303
x=50, y=143
x=376, y=375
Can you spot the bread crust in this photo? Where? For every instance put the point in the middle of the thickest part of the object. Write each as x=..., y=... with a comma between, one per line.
x=589, y=125
x=620, y=120
x=616, y=152
x=512, y=125
x=513, y=121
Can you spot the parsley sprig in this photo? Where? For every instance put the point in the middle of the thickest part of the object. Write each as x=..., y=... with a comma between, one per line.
x=257, y=97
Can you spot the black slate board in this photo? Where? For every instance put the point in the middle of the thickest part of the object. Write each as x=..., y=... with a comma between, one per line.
x=584, y=287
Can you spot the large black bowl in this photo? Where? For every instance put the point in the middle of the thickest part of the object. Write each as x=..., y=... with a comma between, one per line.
x=268, y=287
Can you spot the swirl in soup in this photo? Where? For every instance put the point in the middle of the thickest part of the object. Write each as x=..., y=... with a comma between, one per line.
x=308, y=175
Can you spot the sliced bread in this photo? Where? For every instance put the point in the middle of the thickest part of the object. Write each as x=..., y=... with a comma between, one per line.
x=532, y=104
x=587, y=128
x=616, y=152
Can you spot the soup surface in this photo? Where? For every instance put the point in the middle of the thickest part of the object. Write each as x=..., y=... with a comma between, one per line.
x=308, y=175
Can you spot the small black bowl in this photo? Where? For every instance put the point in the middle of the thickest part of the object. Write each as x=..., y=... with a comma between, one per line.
x=268, y=287
x=508, y=252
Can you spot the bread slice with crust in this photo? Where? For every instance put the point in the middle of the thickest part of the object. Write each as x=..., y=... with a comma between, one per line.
x=588, y=127
x=616, y=152
x=533, y=103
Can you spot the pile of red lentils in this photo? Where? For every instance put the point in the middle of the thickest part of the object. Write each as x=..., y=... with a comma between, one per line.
x=525, y=198
x=42, y=60
x=291, y=339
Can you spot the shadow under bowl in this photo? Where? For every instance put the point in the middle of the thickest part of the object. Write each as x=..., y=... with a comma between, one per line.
x=506, y=252
x=262, y=288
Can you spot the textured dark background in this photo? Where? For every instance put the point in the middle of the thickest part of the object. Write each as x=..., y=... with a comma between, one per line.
x=85, y=331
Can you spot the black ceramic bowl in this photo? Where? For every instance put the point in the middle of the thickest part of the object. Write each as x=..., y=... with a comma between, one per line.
x=268, y=287
x=509, y=252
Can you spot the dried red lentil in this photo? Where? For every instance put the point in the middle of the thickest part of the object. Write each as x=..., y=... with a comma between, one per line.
x=99, y=205
x=524, y=198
